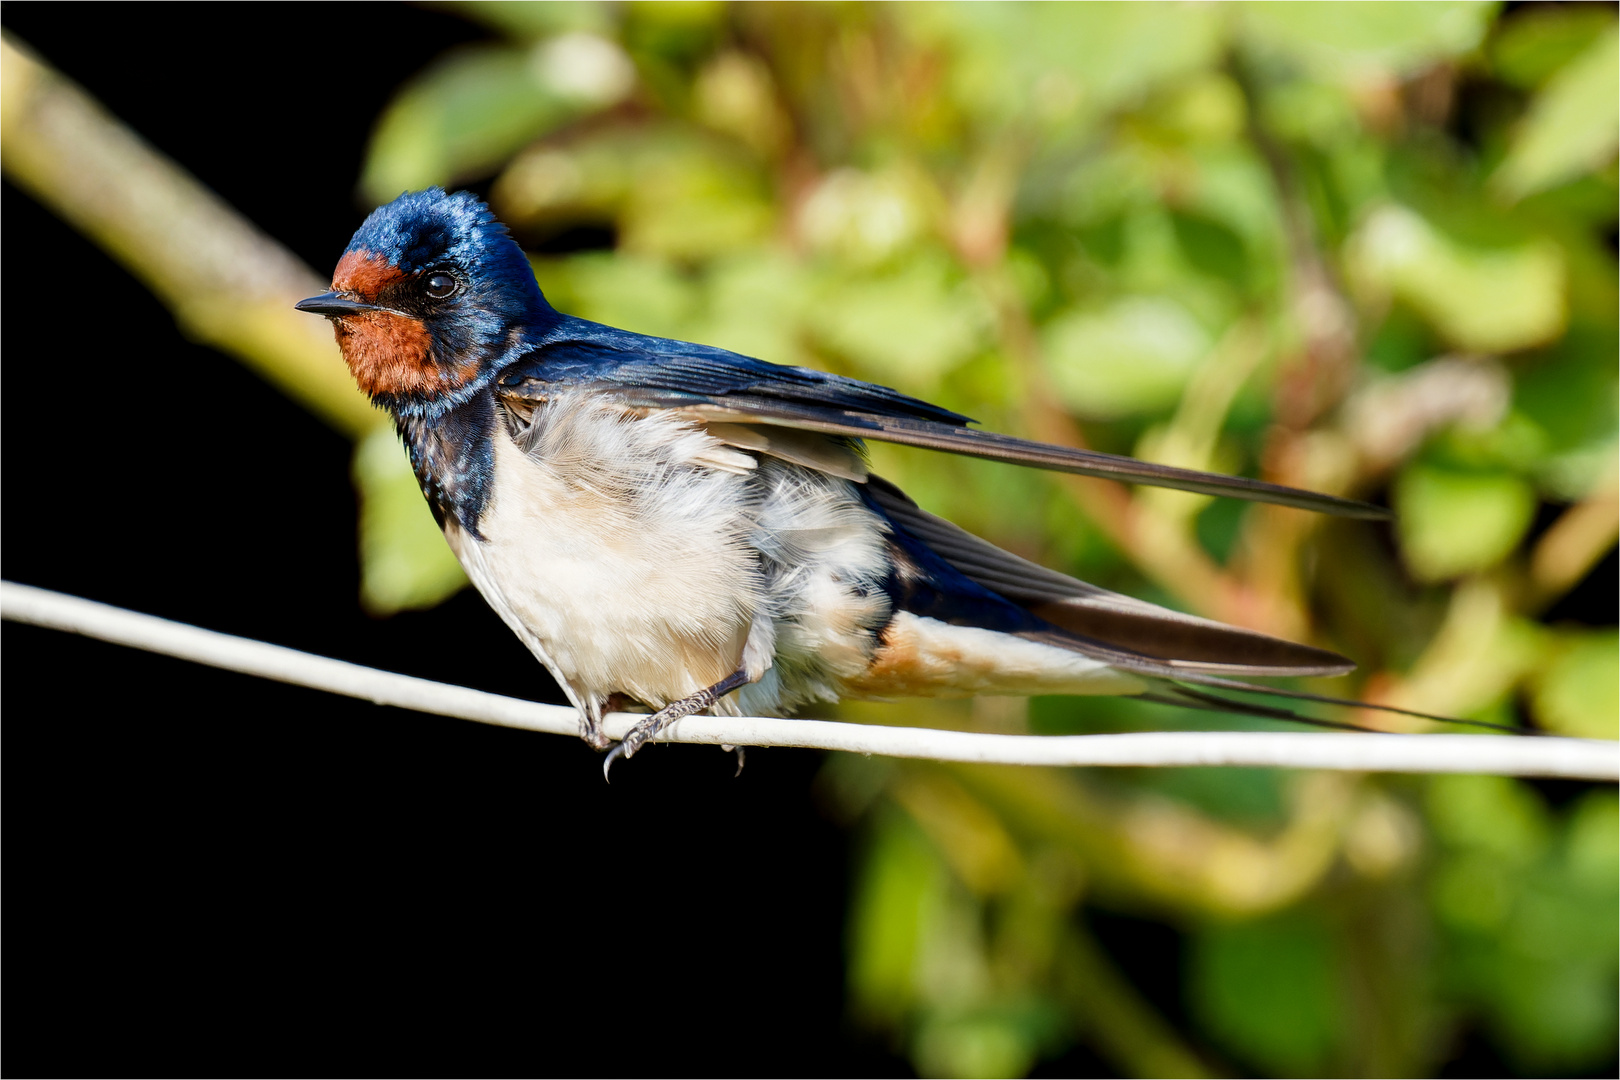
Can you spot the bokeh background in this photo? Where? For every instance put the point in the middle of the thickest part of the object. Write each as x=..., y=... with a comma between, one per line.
x=1364, y=248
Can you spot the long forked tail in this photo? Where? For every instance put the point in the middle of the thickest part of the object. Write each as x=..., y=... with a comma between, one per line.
x=1177, y=655
x=1193, y=697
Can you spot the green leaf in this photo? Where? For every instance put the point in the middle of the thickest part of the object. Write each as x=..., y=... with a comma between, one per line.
x=1552, y=991
x=1495, y=815
x=538, y=20
x=1251, y=797
x=1578, y=692
x=472, y=109
x=1556, y=1019
x=1533, y=924
x=1211, y=248
x=669, y=189
x=1571, y=395
x=1451, y=522
x=1126, y=360
x=692, y=202
x=1592, y=846
x=983, y=1045
x=1573, y=126
x=1474, y=893
x=1234, y=188
x=907, y=327
x=404, y=561
x=1267, y=990
x=897, y=899
x=755, y=304
x=1540, y=39
x=867, y=218
x=1063, y=63
x=1350, y=41
x=1208, y=108
x=1481, y=299
x=646, y=295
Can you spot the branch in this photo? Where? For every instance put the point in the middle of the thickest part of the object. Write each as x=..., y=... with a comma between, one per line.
x=227, y=283
x=1589, y=759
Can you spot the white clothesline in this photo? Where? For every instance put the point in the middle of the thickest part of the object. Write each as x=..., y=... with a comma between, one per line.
x=1505, y=755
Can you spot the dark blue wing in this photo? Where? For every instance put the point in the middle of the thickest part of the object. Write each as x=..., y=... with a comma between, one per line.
x=713, y=384
x=668, y=373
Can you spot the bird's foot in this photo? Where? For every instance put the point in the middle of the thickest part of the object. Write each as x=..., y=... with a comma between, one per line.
x=648, y=729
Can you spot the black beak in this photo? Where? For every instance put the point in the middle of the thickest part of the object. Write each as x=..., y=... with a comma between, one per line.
x=333, y=304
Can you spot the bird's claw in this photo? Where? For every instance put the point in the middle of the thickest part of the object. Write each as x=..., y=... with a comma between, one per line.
x=634, y=740
x=607, y=762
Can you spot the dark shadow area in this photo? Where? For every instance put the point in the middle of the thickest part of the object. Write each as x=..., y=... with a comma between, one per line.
x=1149, y=953
x=573, y=239
x=1596, y=600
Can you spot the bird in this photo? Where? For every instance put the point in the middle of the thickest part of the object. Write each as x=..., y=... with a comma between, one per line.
x=685, y=529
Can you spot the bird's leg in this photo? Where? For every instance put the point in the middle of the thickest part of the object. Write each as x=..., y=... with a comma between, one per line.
x=590, y=724
x=649, y=728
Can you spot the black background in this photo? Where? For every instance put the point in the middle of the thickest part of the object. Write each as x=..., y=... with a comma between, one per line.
x=211, y=873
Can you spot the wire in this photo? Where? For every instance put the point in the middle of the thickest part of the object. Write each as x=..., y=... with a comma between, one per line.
x=1589, y=759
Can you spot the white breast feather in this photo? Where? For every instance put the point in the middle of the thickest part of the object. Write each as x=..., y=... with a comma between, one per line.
x=625, y=563
x=641, y=556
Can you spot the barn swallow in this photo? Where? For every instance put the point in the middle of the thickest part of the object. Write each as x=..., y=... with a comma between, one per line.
x=690, y=529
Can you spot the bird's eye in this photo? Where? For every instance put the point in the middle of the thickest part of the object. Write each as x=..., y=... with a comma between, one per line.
x=439, y=285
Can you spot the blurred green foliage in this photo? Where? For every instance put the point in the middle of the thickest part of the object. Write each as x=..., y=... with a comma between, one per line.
x=1363, y=247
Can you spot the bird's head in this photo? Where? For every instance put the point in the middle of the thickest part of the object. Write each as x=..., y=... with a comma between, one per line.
x=430, y=300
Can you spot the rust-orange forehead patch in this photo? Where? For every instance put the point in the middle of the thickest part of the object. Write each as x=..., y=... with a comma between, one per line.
x=361, y=271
